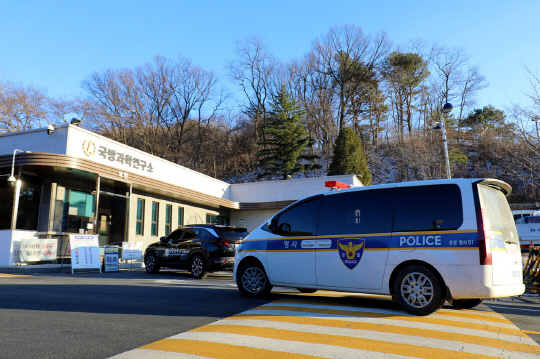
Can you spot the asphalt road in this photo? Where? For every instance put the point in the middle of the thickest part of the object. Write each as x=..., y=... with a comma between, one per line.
x=523, y=311
x=101, y=315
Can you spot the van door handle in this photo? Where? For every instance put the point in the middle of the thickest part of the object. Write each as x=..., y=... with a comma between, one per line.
x=324, y=243
x=308, y=244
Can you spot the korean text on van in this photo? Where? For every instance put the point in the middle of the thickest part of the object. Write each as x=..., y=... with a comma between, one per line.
x=421, y=242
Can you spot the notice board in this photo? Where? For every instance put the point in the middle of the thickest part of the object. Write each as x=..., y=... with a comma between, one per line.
x=131, y=250
x=84, y=253
x=35, y=250
x=110, y=259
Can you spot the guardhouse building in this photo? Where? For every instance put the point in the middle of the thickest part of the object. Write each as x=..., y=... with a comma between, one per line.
x=75, y=181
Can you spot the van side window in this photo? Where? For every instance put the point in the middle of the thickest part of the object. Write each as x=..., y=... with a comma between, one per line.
x=301, y=220
x=428, y=208
x=361, y=212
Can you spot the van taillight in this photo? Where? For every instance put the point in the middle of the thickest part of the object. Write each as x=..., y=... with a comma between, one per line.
x=484, y=242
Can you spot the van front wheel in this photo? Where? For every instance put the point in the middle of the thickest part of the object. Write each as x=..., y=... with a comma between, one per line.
x=252, y=280
x=419, y=291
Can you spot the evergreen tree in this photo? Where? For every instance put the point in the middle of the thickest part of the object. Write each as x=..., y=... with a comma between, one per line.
x=284, y=151
x=349, y=157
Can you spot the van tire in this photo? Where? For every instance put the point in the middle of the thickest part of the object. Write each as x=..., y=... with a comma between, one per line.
x=306, y=290
x=252, y=280
x=419, y=291
x=466, y=303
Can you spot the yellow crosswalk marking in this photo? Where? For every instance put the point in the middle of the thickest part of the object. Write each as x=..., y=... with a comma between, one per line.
x=321, y=328
x=388, y=328
x=426, y=319
x=218, y=350
x=346, y=342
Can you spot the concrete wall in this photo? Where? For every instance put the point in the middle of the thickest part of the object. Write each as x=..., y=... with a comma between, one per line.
x=292, y=189
x=35, y=141
x=10, y=245
x=251, y=219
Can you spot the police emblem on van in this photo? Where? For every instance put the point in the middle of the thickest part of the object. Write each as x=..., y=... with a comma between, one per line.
x=350, y=251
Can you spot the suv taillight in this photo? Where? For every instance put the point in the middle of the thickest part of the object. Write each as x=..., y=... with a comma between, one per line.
x=221, y=244
x=484, y=242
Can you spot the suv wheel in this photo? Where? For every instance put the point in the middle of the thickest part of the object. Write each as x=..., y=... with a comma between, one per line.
x=197, y=266
x=419, y=291
x=252, y=280
x=466, y=303
x=151, y=264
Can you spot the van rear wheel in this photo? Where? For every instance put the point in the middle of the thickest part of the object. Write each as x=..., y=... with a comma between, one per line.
x=466, y=303
x=419, y=291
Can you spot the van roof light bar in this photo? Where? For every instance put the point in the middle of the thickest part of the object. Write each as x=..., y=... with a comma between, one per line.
x=336, y=185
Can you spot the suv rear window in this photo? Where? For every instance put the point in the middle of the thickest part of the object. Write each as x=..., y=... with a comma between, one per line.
x=428, y=208
x=232, y=233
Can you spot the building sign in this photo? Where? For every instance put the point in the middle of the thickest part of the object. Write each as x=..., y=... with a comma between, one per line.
x=125, y=159
x=117, y=156
x=113, y=155
x=37, y=250
x=84, y=252
x=131, y=250
x=110, y=258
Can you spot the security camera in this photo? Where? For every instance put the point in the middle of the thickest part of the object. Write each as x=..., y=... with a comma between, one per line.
x=50, y=129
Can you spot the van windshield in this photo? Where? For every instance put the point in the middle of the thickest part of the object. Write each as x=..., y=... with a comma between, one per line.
x=499, y=217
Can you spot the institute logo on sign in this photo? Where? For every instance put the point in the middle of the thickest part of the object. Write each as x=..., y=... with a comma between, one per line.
x=89, y=148
x=350, y=251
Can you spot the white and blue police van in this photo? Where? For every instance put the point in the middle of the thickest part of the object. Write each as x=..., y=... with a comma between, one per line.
x=422, y=242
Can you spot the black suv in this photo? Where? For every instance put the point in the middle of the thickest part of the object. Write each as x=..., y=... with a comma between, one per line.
x=200, y=249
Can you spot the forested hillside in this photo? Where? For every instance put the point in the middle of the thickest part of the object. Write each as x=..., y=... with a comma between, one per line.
x=390, y=95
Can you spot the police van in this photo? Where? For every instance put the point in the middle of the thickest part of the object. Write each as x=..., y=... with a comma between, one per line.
x=421, y=242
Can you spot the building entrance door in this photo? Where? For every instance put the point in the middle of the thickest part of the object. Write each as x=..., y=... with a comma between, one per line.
x=112, y=218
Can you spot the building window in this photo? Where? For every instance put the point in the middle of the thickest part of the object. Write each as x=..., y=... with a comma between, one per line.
x=29, y=199
x=140, y=217
x=168, y=219
x=215, y=219
x=73, y=210
x=180, y=216
x=7, y=195
x=155, y=216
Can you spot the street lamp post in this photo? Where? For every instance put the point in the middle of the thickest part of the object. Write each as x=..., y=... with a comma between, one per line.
x=12, y=179
x=536, y=119
x=447, y=108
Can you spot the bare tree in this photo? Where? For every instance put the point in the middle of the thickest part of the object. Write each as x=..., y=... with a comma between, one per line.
x=350, y=59
x=22, y=108
x=253, y=72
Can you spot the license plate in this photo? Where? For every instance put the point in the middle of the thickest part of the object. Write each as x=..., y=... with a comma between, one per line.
x=511, y=248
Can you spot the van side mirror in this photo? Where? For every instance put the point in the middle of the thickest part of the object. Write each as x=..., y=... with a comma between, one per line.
x=163, y=239
x=272, y=225
x=284, y=228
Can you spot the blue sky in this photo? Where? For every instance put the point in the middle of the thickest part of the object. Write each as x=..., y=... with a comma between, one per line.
x=57, y=44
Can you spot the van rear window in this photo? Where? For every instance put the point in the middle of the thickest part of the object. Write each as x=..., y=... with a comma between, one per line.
x=498, y=214
x=428, y=208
